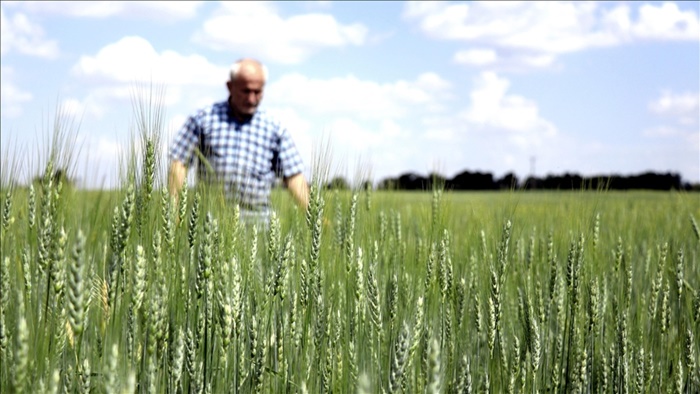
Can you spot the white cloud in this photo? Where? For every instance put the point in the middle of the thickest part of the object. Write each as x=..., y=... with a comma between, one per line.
x=682, y=112
x=440, y=134
x=130, y=74
x=19, y=34
x=11, y=96
x=431, y=81
x=133, y=59
x=395, y=121
x=124, y=70
x=352, y=134
x=344, y=139
x=356, y=144
x=482, y=57
x=476, y=57
x=72, y=108
x=103, y=147
x=691, y=138
x=361, y=98
x=542, y=30
x=323, y=3
x=258, y=29
x=683, y=107
x=550, y=26
x=666, y=22
x=662, y=131
x=174, y=123
x=104, y=158
x=155, y=10
x=103, y=98
x=492, y=107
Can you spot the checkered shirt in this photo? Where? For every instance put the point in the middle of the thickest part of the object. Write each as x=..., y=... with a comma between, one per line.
x=245, y=157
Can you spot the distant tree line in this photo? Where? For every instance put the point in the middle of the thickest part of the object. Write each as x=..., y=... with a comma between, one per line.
x=468, y=180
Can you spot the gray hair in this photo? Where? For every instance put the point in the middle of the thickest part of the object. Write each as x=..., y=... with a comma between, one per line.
x=236, y=68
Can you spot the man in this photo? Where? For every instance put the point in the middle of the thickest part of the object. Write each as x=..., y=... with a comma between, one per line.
x=240, y=147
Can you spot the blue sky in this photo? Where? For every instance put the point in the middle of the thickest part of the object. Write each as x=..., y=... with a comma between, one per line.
x=590, y=88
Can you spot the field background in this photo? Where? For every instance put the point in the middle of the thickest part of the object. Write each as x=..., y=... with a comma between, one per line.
x=580, y=291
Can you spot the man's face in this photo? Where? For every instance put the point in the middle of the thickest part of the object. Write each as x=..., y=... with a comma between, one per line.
x=246, y=93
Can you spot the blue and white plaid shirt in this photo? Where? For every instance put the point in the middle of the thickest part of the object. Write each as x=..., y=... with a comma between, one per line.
x=245, y=157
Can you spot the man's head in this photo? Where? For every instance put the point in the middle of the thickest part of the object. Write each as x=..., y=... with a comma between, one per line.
x=246, y=86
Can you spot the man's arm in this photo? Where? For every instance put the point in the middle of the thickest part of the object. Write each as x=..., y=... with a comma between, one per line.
x=297, y=186
x=176, y=178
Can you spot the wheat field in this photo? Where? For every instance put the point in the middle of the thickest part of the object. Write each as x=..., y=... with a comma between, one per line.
x=438, y=292
x=131, y=290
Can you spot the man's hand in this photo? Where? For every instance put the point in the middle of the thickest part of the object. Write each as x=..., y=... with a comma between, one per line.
x=176, y=178
x=299, y=188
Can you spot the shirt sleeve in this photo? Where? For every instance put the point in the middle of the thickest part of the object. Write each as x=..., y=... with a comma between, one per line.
x=289, y=158
x=186, y=139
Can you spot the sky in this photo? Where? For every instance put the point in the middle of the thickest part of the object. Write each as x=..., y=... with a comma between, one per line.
x=378, y=88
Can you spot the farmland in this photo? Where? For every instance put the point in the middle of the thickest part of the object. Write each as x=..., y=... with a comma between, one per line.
x=438, y=292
